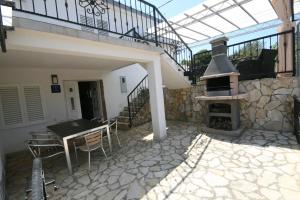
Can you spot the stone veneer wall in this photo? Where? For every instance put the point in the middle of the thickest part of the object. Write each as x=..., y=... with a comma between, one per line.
x=269, y=105
x=143, y=116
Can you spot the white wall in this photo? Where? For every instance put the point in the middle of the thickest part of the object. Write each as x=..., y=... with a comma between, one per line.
x=117, y=100
x=55, y=109
x=2, y=178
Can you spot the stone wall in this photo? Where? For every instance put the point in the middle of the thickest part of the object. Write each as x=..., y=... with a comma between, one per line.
x=143, y=116
x=181, y=104
x=269, y=105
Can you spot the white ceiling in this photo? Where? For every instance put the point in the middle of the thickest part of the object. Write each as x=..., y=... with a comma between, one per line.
x=28, y=59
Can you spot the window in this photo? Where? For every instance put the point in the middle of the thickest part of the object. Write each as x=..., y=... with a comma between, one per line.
x=33, y=102
x=10, y=106
x=20, y=106
x=101, y=24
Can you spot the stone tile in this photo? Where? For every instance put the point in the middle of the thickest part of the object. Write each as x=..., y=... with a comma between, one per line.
x=188, y=164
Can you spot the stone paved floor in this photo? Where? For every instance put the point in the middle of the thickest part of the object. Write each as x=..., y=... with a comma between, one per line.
x=186, y=165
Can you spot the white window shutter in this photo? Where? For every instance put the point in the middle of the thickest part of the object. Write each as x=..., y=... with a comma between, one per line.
x=33, y=103
x=10, y=105
x=86, y=21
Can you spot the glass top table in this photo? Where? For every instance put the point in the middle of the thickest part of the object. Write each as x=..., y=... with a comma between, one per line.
x=76, y=128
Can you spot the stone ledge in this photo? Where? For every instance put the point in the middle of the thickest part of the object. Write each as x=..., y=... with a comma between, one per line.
x=211, y=98
x=233, y=133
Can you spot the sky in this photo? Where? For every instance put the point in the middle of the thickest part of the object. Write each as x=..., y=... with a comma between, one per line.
x=175, y=6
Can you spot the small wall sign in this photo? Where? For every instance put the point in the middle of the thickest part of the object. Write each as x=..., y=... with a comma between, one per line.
x=55, y=89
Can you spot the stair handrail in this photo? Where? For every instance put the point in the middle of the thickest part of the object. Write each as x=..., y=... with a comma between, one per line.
x=131, y=115
x=190, y=61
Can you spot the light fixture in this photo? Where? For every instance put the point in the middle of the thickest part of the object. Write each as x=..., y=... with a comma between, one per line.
x=54, y=79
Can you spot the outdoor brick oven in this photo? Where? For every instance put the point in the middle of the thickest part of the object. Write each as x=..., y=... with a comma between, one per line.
x=222, y=92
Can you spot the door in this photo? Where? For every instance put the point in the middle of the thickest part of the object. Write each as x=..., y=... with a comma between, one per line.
x=72, y=99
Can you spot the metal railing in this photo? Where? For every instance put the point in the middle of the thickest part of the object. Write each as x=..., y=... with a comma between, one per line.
x=296, y=118
x=251, y=50
x=114, y=18
x=137, y=99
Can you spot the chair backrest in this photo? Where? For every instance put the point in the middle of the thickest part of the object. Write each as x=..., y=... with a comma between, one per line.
x=113, y=123
x=93, y=138
x=33, y=148
x=44, y=148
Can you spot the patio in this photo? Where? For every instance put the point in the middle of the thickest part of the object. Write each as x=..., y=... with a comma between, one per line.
x=186, y=165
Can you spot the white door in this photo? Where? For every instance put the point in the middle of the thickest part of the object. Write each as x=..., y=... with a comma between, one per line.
x=72, y=99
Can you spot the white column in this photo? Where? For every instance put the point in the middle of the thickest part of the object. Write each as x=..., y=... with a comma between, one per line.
x=157, y=99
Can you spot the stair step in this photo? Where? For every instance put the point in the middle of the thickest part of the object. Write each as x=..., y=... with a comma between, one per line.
x=131, y=108
x=123, y=119
x=123, y=125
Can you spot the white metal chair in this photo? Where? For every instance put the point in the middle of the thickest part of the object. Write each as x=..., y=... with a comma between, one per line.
x=44, y=148
x=113, y=128
x=93, y=141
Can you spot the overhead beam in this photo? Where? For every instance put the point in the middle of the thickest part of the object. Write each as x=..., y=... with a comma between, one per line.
x=241, y=6
x=204, y=42
x=219, y=11
x=197, y=20
x=218, y=14
x=190, y=29
x=188, y=37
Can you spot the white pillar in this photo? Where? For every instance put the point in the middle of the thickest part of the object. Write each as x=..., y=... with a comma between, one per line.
x=157, y=100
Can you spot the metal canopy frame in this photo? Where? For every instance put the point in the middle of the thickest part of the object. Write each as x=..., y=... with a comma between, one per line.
x=210, y=9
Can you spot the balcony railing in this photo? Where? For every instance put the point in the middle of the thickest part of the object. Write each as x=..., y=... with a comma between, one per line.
x=137, y=98
x=296, y=118
x=258, y=53
x=116, y=18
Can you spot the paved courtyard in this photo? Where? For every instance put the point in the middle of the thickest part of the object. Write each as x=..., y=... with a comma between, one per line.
x=187, y=165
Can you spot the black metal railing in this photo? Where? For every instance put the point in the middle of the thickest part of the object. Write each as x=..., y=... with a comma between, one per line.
x=252, y=50
x=115, y=18
x=296, y=118
x=2, y=32
x=3, y=28
x=137, y=99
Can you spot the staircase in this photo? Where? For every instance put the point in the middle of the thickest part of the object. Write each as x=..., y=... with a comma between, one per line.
x=137, y=111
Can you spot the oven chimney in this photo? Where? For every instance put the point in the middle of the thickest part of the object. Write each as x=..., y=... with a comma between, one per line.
x=219, y=65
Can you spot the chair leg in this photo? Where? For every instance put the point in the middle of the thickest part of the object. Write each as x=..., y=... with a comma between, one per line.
x=104, y=152
x=76, y=156
x=89, y=161
x=118, y=139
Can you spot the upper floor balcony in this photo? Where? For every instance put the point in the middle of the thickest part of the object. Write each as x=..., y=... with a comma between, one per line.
x=133, y=20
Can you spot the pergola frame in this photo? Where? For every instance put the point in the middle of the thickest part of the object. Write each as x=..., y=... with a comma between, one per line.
x=212, y=10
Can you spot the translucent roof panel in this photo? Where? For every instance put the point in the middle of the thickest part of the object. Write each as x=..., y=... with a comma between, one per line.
x=261, y=9
x=204, y=29
x=191, y=34
x=211, y=18
x=244, y=19
x=215, y=20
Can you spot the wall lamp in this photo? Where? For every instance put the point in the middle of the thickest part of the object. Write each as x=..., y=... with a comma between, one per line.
x=54, y=79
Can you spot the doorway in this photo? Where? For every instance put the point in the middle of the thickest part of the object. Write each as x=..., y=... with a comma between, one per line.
x=91, y=100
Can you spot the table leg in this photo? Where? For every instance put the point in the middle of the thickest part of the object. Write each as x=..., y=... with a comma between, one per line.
x=67, y=155
x=109, y=139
